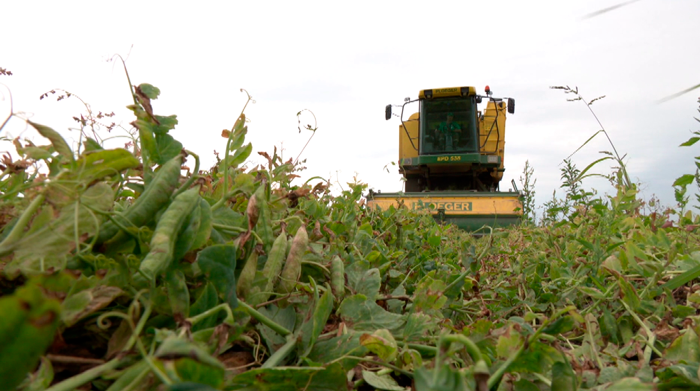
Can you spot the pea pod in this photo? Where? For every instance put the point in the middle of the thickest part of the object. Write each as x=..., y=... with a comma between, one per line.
x=156, y=195
x=292, y=268
x=338, y=277
x=188, y=232
x=275, y=260
x=264, y=226
x=245, y=280
x=271, y=270
x=205, y=226
x=165, y=234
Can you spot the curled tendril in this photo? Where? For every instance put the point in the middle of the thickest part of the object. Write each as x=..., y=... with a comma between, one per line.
x=104, y=323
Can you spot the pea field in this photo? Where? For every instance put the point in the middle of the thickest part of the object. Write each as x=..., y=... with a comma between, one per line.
x=121, y=269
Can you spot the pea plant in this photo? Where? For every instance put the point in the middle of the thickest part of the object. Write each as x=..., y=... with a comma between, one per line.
x=122, y=271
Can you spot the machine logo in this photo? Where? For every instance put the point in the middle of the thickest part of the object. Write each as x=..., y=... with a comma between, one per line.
x=448, y=206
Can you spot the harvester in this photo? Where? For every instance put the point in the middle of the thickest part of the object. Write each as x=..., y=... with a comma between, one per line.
x=451, y=157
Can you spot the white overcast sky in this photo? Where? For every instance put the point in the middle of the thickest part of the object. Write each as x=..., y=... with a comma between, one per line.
x=346, y=61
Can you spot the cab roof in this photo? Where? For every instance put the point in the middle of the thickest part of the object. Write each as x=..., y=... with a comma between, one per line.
x=446, y=92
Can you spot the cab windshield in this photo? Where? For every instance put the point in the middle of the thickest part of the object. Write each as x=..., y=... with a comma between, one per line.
x=448, y=125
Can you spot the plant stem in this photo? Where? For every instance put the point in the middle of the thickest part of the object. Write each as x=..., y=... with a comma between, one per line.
x=8, y=244
x=78, y=380
x=281, y=353
x=192, y=177
x=496, y=376
x=264, y=319
x=198, y=318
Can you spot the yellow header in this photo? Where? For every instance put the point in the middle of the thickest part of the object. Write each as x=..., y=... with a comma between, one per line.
x=465, y=205
x=446, y=92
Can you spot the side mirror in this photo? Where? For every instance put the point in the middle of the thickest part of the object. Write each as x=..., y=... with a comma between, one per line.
x=387, y=112
x=511, y=106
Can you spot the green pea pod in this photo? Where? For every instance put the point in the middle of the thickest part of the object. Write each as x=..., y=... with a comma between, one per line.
x=264, y=226
x=165, y=235
x=245, y=280
x=292, y=268
x=205, y=225
x=178, y=294
x=271, y=270
x=156, y=195
x=188, y=232
x=338, y=277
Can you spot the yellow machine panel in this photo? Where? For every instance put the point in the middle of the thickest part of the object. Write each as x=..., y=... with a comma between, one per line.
x=492, y=132
x=406, y=148
x=503, y=205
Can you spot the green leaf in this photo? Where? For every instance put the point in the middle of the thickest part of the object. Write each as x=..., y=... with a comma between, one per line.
x=174, y=347
x=91, y=145
x=41, y=379
x=563, y=377
x=684, y=180
x=149, y=90
x=189, y=386
x=418, y=324
x=428, y=296
x=57, y=141
x=313, y=328
x=630, y=384
x=446, y=379
x=218, y=263
x=330, y=378
x=682, y=279
x=50, y=245
x=608, y=327
x=178, y=294
x=240, y=155
x=99, y=164
x=334, y=348
x=166, y=148
x=87, y=302
x=560, y=326
x=381, y=343
x=525, y=385
x=207, y=300
x=192, y=371
x=36, y=153
x=383, y=382
x=369, y=283
x=629, y=294
x=684, y=348
x=27, y=326
x=690, y=142
x=362, y=314
x=680, y=376
x=166, y=124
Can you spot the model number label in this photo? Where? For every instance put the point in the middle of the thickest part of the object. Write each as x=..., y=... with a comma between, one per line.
x=449, y=158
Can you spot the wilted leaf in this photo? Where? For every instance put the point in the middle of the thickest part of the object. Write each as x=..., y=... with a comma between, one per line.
x=383, y=382
x=381, y=343
x=86, y=302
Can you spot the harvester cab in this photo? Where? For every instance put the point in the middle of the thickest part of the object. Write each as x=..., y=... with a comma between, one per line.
x=451, y=156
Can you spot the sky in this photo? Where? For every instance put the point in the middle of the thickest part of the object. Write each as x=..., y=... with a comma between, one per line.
x=346, y=61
